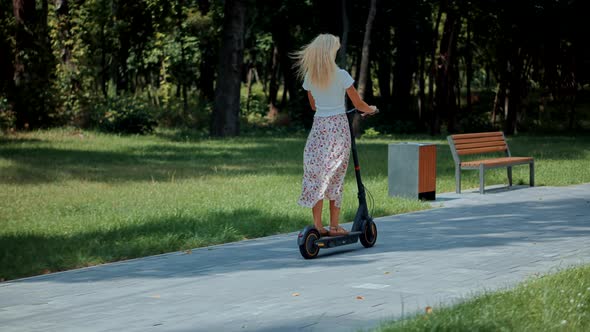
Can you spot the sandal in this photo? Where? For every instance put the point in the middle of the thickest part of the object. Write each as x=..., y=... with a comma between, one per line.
x=322, y=231
x=337, y=231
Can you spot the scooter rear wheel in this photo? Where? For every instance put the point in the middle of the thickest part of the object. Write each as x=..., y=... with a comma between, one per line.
x=309, y=249
x=369, y=236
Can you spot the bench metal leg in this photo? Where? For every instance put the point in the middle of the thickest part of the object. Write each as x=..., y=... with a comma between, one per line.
x=458, y=179
x=532, y=174
x=509, y=176
x=481, y=179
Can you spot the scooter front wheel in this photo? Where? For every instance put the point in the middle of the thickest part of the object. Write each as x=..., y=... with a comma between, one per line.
x=369, y=235
x=308, y=248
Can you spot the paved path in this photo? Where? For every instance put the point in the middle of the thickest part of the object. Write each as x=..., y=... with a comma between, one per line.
x=470, y=244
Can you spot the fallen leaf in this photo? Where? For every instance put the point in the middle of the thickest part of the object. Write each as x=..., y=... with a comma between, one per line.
x=295, y=294
x=428, y=310
x=387, y=272
x=360, y=297
x=46, y=271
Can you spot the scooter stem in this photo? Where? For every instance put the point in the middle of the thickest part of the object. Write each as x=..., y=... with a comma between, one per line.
x=357, y=169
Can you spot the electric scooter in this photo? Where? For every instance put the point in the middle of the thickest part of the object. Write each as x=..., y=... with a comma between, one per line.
x=363, y=227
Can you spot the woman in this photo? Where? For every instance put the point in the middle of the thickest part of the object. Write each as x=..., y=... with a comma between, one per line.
x=327, y=149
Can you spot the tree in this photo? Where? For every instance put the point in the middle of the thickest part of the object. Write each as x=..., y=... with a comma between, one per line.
x=446, y=73
x=364, y=68
x=364, y=71
x=33, y=63
x=405, y=60
x=226, y=111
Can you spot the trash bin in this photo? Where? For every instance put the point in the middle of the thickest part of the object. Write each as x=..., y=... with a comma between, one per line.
x=412, y=170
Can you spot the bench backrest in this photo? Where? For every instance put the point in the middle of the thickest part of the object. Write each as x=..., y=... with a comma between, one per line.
x=477, y=143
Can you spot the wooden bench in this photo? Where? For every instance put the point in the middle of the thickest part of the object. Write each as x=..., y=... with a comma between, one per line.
x=480, y=143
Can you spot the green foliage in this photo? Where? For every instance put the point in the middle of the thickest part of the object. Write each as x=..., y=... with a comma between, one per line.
x=371, y=133
x=169, y=52
x=174, y=115
x=558, y=302
x=107, y=197
x=124, y=115
x=7, y=116
x=474, y=121
x=402, y=127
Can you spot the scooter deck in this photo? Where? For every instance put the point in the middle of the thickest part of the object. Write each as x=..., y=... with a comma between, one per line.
x=335, y=241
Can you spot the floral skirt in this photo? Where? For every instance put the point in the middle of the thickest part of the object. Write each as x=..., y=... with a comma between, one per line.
x=325, y=160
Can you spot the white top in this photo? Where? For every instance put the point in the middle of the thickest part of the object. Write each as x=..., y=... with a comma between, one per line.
x=331, y=100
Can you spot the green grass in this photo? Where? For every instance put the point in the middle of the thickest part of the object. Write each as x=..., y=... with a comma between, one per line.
x=71, y=199
x=559, y=302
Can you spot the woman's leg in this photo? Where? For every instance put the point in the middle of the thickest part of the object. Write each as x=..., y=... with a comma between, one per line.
x=317, y=214
x=334, y=214
x=335, y=229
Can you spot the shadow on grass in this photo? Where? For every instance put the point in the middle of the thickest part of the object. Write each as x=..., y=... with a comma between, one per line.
x=30, y=254
x=477, y=226
x=33, y=163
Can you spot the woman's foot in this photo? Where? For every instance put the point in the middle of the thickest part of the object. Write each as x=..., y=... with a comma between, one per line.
x=337, y=231
x=322, y=231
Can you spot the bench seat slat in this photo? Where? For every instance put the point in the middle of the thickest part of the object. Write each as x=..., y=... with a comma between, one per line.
x=497, y=161
x=481, y=150
x=501, y=144
x=477, y=135
x=478, y=140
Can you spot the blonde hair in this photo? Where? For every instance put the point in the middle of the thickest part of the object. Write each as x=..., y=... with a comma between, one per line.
x=317, y=60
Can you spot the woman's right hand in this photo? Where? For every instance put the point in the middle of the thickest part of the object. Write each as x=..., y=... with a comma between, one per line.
x=372, y=112
x=358, y=103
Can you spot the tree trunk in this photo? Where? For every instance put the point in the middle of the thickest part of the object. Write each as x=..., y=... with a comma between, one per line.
x=6, y=62
x=405, y=66
x=249, y=88
x=207, y=71
x=62, y=9
x=207, y=65
x=273, y=86
x=284, y=43
x=422, y=87
x=364, y=69
x=468, y=65
x=183, y=81
x=344, y=39
x=122, y=70
x=434, y=118
x=497, y=98
x=25, y=17
x=445, y=85
x=515, y=67
x=103, y=63
x=226, y=111
x=384, y=70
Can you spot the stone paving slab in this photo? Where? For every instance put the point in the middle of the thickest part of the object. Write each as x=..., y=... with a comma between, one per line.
x=467, y=244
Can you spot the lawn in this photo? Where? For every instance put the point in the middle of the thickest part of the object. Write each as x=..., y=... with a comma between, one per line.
x=70, y=199
x=559, y=302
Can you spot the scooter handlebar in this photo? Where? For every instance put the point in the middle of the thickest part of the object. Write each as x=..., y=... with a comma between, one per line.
x=364, y=114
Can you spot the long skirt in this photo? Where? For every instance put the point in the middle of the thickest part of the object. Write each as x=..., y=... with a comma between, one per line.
x=325, y=160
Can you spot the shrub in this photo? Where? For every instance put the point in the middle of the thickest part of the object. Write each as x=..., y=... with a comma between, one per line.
x=124, y=115
x=7, y=116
